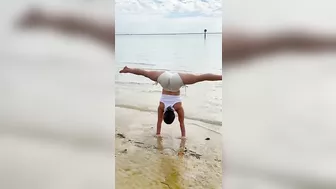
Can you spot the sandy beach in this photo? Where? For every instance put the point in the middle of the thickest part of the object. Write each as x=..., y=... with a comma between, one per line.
x=144, y=161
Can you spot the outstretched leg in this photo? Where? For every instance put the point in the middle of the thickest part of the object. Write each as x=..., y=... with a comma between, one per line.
x=152, y=75
x=189, y=79
x=236, y=48
x=298, y=41
x=70, y=23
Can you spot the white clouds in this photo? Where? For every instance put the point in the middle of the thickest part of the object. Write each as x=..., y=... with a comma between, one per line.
x=205, y=7
x=152, y=24
x=151, y=16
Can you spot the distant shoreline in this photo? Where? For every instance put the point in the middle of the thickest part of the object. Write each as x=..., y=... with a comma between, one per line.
x=208, y=33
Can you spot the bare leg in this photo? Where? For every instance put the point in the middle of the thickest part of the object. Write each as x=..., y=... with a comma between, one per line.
x=296, y=41
x=245, y=47
x=69, y=23
x=152, y=75
x=189, y=79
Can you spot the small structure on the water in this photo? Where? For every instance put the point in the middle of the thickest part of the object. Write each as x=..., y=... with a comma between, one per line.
x=205, y=30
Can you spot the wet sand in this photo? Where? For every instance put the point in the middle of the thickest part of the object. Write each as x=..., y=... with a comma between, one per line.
x=144, y=161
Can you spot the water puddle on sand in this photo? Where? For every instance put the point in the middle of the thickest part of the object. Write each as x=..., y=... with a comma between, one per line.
x=155, y=166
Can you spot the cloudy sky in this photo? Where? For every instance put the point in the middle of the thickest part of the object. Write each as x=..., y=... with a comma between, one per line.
x=168, y=16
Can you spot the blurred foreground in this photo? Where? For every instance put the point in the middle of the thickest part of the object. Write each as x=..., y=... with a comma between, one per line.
x=279, y=104
x=57, y=103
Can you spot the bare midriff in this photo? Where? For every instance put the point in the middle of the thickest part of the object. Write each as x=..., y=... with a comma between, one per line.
x=177, y=93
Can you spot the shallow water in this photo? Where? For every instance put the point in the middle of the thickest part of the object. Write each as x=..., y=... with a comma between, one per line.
x=184, y=53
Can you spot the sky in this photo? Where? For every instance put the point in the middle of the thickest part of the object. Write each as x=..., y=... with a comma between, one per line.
x=168, y=16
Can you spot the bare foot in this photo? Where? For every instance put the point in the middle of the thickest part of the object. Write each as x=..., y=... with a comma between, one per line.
x=31, y=18
x=125, y=70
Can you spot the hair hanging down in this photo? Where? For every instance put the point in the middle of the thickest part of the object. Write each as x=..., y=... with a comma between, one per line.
x=169, y=115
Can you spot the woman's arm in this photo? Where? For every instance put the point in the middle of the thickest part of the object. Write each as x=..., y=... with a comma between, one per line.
x=159, y=119
x=180, y=113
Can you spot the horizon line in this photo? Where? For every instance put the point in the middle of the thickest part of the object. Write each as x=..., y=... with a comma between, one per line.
x=191, y=33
